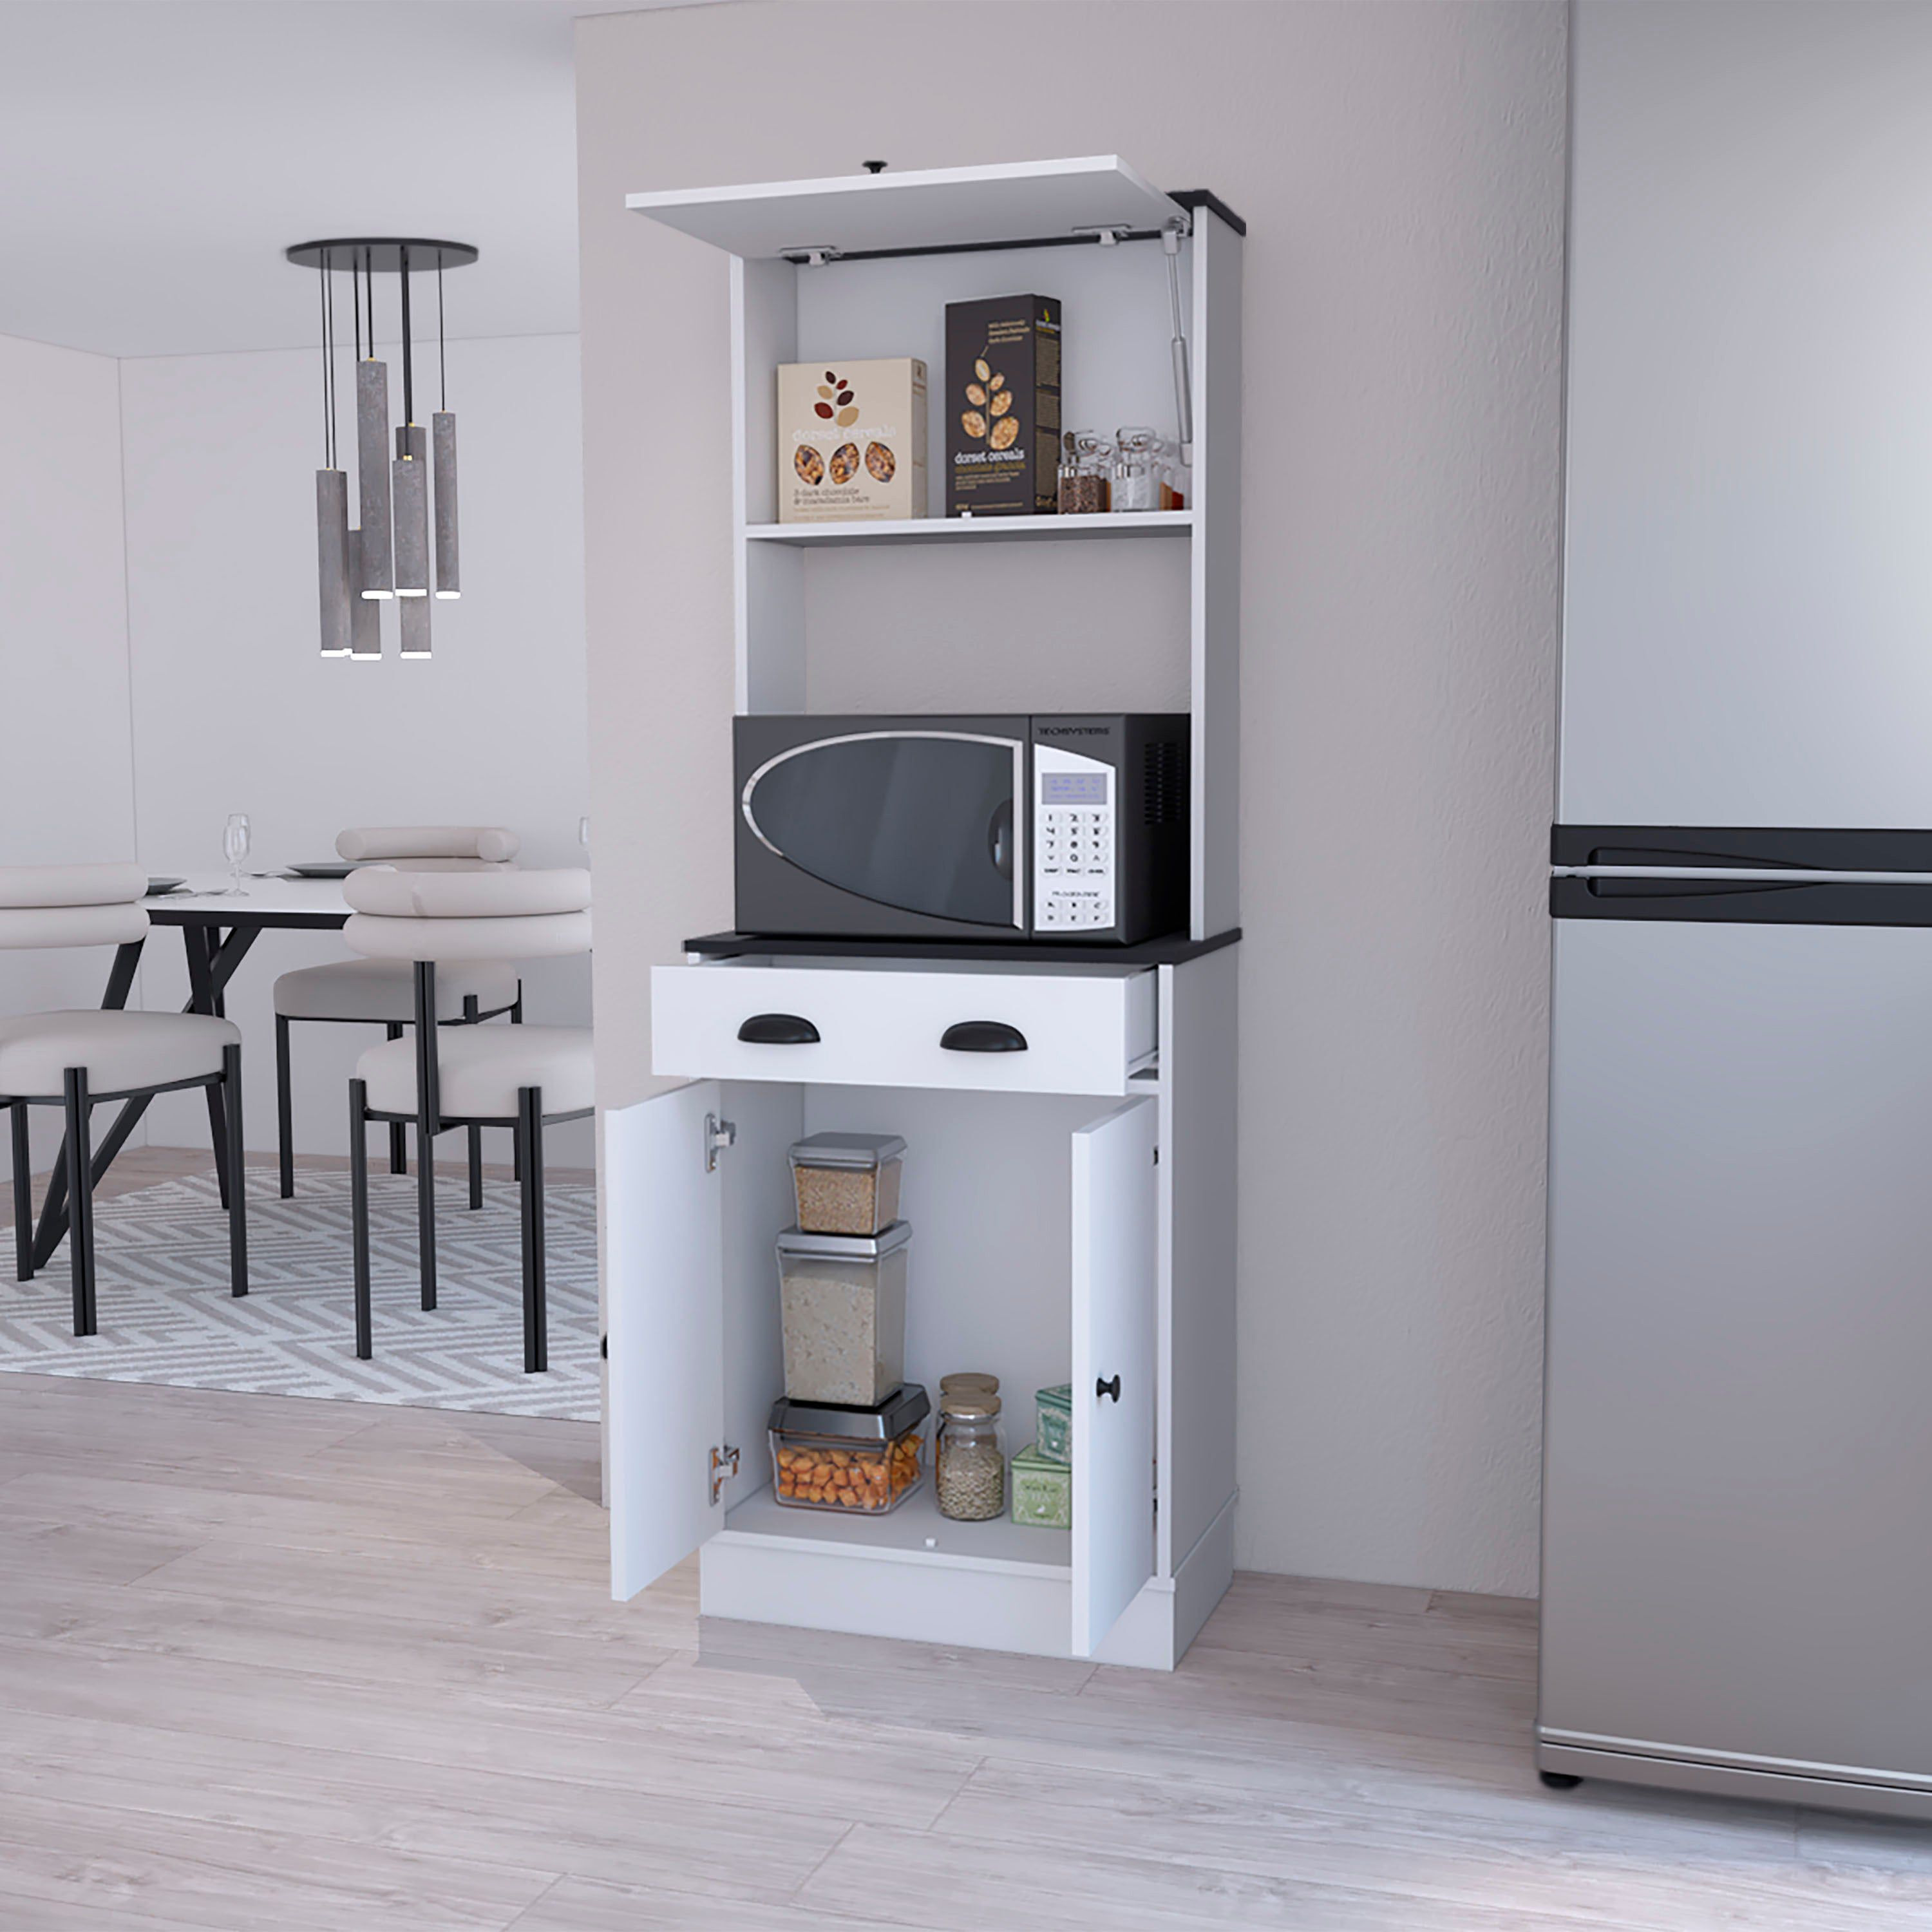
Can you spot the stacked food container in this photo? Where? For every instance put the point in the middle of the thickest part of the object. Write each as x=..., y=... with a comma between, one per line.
x=847, y=1433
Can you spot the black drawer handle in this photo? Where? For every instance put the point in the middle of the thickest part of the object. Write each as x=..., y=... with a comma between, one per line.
x=983, y=1036
x=1111, y=1388
x=779, y=1030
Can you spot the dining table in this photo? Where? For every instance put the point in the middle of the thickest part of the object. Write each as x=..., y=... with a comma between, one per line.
x=218, y=927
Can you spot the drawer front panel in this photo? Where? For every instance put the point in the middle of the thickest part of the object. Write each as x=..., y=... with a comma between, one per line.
x=1002, y=1033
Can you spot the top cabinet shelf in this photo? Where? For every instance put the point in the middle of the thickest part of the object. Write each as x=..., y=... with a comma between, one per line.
x=1018, y=201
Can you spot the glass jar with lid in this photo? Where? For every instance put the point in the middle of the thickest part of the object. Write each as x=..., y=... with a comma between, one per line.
x=1086, y=473
x=1137, y=469
x=969, y=1460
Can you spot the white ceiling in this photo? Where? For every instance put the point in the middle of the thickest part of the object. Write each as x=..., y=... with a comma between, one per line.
x=158, y=155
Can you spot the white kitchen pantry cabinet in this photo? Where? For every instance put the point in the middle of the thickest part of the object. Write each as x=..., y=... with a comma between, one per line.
x=1050, y=1229
x=1072, y=1202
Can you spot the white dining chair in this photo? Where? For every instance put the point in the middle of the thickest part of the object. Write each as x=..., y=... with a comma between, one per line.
x=381, y=992
x=74, y=1060
x=523, y=1077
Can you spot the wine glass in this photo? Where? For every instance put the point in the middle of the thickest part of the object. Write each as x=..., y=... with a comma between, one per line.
x=235, y=849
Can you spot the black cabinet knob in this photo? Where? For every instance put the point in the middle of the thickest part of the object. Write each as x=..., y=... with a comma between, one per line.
x=983, y=1036
x=779, y=1030
x=1110, y=1388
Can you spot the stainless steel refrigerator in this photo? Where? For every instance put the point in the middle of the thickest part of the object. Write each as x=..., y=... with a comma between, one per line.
x=1737, y=1586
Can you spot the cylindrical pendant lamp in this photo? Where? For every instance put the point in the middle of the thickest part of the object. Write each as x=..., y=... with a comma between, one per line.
x=388, y=553
x=372, y=458
x=331, y=530
x=442, y=438
x=409, y=494
x=365, y=617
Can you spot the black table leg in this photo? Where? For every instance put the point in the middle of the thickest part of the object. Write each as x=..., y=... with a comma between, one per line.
x=202, y=942
x=23, y=1198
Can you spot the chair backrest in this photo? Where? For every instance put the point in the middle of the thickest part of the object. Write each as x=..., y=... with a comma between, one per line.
x=429, y=848
x=402, y=914
x=72, y=905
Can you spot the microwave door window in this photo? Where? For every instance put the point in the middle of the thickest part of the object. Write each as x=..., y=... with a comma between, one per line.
x=922, y=822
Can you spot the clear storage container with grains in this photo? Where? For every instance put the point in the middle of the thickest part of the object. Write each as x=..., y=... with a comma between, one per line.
x=846, y=1184
x=969, y=1464
x=842, y=1311
x=860, y=1462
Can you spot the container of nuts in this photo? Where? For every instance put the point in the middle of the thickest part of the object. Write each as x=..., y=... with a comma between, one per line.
x=861, y=1462
x=968, y=1462
x=846, y=1184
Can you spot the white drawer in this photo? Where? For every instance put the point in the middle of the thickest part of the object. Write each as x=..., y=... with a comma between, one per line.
x=1083, y=1032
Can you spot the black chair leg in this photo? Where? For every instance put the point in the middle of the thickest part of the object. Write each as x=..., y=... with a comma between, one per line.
x=399, y=1139
x=516, y=1144
x=80, y=1199
x=536, y=1313
x=471, y=1015
x=426, y=1210
x=358, y=1212
x=284, y=1107
x=217, y=1134
x=238, y=1172
x=23, y=1194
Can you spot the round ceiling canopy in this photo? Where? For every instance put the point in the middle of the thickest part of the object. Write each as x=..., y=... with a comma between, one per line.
x=382, y=254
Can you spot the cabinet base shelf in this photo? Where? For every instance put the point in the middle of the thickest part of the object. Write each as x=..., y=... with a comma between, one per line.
x=914, y=1533
x=749, y=1572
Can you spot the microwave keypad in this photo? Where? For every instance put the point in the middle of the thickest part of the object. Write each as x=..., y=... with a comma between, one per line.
x=1073, y=869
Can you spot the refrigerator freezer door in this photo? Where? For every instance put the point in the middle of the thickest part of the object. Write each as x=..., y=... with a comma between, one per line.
x=1747, y=606
x=1738, y=1479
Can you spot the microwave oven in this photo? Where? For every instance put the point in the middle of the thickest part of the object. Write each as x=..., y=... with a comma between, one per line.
x=1043, y=829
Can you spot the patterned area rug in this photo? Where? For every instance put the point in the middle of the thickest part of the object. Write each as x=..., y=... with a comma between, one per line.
x=165, y=1314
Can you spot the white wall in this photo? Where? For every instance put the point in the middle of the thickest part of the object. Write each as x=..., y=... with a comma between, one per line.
x=66, y=774
x=1401, y=168
x=234, y=710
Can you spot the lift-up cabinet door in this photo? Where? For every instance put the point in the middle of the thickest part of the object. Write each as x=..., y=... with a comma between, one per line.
x=1114, y=1273
x=665, y=1229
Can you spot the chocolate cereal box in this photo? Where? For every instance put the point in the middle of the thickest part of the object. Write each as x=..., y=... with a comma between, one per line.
x=851, y=441
x=1002, y=408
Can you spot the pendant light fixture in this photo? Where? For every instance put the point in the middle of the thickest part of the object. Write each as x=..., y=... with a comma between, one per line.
x=387, y=556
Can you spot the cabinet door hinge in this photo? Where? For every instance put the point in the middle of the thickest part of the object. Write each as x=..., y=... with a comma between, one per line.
x=724, y=1467
x=718, y=1135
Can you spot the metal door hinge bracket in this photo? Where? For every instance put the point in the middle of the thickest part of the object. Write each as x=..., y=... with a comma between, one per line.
x=718, y=1135
x=724, y=1467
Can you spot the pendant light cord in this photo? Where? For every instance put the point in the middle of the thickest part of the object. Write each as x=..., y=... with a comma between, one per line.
x=441, y=354
x=328, y=378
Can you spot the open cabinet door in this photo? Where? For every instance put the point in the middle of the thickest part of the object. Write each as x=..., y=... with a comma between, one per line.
x=665, y=1228
x=1114, y=1366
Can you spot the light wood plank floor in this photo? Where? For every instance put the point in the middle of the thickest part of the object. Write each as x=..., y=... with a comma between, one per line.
x=276, y=1663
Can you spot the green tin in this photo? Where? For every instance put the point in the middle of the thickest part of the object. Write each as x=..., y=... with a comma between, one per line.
x=1053, y=1414
x=1041, y=1490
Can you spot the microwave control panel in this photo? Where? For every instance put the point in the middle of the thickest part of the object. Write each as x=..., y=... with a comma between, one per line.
x=1074, y=800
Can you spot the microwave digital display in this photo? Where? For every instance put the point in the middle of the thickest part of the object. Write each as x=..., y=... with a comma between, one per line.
x=1073, y=788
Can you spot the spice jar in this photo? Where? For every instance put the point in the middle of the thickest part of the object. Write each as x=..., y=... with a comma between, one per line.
x=969, y=1464
x=1086, y=473
x=1175, y=479
x=1137, y=470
